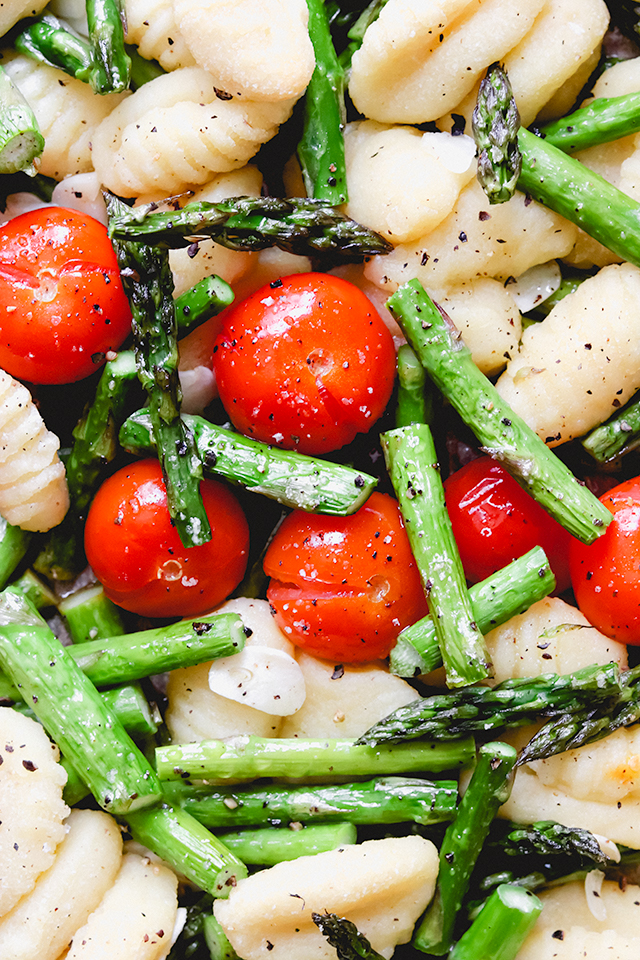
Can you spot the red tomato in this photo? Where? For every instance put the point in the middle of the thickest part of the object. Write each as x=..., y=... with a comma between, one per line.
x=343, y=587
x=606, y=574
x=495, y=521
x=136, y=552
x=62, y=306
x=304, y=363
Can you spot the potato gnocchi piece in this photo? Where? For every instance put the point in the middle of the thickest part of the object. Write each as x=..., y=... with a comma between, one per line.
x=33, y=483
x=403, y=182
x=551, y=637
x=67, y=111
x=382, y=886
x=32, y=810
x=345, y=701
x=135, y=918
x=195, y=713
x=86, y=864
x=151, y=26
x=567, y=928
x=174, y=132
x=13, y=10
x=259, y=49
x=477, y=240
x=422, y=57
x=582, y=362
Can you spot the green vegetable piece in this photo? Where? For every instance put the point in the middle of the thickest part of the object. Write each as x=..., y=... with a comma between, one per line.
x=495, y=125
x=21, y=141
x=111, y=69
x=206, y=299
x=502, y=926
x=415, y=401
x=14, y=544
x=345, y=937
x=617, y=437
x=90, y=615
x=267, y=846
x=46, y=40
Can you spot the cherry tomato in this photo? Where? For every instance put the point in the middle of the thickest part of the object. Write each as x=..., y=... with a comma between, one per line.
x=136, y=552
x=304, y=363
x=606, y=574
x=495, y=521
x=62, y=306
x=343, y=587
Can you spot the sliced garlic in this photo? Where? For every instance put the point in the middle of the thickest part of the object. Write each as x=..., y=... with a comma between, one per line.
x=532, y=287
x=593, y=892
x=261, y=677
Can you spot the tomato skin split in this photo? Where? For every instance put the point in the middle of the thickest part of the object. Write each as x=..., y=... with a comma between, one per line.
x=342, y=588
x=606, y=574
x=495, y=521
x=136, y=552
x=304, y=363
x=62, y=305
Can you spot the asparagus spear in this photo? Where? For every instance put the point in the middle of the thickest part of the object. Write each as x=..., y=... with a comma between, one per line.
x=321, y=149
x=216, y=939
x=14, y=543
x=488, y=789
x=148, y=282
x=35, y=590
x=72, y=711
x=511, y=703
x=382, y=800
x=293, y=479
x=90, y=615
x=495, y=125
x=21, y=142
x=188, y=846
x=344, y=937
x=502, y=926
x=307, y=227
x=603, y=120
x=206, y=299
x=142, y=70
x=500, y=431
x=48, y=41
x=111, y=70
x=415, y=402
x=249, y=757
x=411, y=460
x=503, y=595
x=357, y=31
x=618, y=436
x=267, y=846
x=546, y=838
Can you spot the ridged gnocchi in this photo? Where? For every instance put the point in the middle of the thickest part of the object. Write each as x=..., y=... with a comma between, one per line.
x=151, y=25
x=33, y=484
x=175, y=131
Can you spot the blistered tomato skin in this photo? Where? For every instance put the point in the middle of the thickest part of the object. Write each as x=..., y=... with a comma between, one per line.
x=62, y=306
x=342, y=588
x=495, y=521
x=136, y=552
x=305, y=363
x=606, y=574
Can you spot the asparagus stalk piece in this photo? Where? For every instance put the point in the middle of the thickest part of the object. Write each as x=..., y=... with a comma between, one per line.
x=500, y=431
x=603, y=120
x=546, y=838
x=249, y=757
x=35, y=590
x=501, y=928
x=358, y=30
x=495, y=125
x=216, y=939
x=617, y=437
x=206, y=299
x=307, y=227
x=411, y=460
x=111, y=70
x=267, y=846
x=381, y=800
x=293, y=479
x=142, y=70
x=344, y=937
x=321, y=149
x=48, y=41
x=188, y=846
x=511, y=703
x=148, y=283
x=127, y=702
x=90, y=615
x=503, y=595
x=14, y=543
x=488, y=789
x=21, y=142
x=568, y=285
x=415, y=402
x=72, y=711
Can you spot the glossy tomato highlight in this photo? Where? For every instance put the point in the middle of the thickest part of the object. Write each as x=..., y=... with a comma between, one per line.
x=606, y=574
x=495, y=521
x=137, y=555
x=342, y=588
x=304, y=363
x=62, y=306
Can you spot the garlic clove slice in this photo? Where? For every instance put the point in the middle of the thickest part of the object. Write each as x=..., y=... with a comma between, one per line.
x=261, y=677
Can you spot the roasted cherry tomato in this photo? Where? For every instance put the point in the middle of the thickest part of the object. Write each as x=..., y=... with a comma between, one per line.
x=62, y=306
x=304, y=363
x=495, y=521
x=606, y=574
x=343, y=587
x=136, y=552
